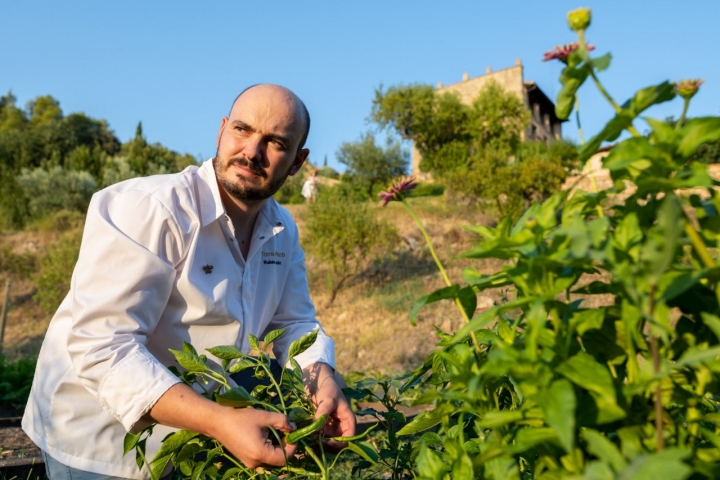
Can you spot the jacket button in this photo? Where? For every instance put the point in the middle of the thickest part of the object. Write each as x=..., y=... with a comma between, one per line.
x=262, y=238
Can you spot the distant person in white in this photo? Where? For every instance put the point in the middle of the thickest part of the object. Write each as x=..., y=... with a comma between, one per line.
x=309, y=189
x=173, y=258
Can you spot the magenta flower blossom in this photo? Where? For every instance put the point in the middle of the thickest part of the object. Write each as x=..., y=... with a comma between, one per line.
x=562, y=52
x=397, y=190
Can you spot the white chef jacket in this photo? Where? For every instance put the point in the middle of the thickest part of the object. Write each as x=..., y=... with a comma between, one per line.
x=159, y=265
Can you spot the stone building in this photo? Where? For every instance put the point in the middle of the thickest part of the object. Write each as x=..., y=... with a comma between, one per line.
x=544, y=124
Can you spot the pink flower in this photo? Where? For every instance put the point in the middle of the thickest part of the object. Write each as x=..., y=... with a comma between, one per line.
x=562, y=52
x=397, y=190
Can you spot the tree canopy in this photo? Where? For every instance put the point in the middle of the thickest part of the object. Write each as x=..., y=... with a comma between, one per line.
x=51, y=161
x=370, y=165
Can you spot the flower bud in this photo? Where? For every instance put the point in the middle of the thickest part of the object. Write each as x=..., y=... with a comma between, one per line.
x=579, y=19
x=688, y=88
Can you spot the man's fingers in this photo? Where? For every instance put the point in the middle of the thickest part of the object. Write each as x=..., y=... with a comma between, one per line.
x=279, y=422
x=277, y=456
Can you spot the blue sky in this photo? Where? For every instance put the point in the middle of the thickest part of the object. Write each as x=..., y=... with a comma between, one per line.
x=176, y=66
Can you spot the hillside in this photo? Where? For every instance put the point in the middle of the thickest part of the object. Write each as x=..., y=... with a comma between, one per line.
x=369, y=318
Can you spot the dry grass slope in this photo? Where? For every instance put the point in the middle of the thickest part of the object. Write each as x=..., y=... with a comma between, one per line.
x=369, y=319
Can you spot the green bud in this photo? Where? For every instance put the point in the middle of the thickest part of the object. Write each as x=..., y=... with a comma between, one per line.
x=579, y=19
x=688, y=88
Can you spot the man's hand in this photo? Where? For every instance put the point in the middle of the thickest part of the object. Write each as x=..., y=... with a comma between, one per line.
x=243, y=431
x=328, y=398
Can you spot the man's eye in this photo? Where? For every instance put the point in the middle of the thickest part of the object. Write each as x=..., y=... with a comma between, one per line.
x=279, y=144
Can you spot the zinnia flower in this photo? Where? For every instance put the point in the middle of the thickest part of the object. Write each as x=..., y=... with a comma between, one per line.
x=397, y=190
x=579, y=19
x=688, y=88
x=563, y=51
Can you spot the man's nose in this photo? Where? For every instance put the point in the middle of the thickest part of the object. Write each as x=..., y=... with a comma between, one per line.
x=253, y=148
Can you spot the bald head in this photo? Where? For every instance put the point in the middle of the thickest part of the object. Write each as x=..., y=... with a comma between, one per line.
x=278, y=93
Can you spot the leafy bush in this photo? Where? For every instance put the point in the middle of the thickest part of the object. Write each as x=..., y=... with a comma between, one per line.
x=555, y=382
x=345, y=235
x=15, y=265
x=290, y=191
x=193, y=455
x=55, y=270
x=15, y=381
x=47, y=191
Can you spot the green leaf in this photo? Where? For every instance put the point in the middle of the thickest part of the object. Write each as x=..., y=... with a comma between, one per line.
x=662, y=241
x=696, y=355
x=647, y=97
x=482, y=282
x=236, y=397
x=422, y=422
x=604, y=449
x=609, y=133
x=627, y=153
x=170, y=445
x=468, y=300
x=430, y=464
x=603, y=62
x=131, y=440
x=495, y=419
x=530, y=437
x=365, y=450
x=189, y=349
x=696, y=132
x=666, y=465
x=302, y=344
x=463, y=467
x=663, y=133
x=442, y=294
x=584, y=371
x=572, y=79
x=558, y=404
x=254, y=343
x=226, y=352
x=189, y=361
x=274, y=335
x=241, y=365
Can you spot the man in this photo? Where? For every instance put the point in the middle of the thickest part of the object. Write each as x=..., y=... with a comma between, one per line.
x=175, y=258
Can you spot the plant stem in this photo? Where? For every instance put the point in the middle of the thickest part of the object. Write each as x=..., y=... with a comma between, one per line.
x=577, y=117
x=581, y=41
x=656, y=369
x=686, y=104
x=320, y=465
x=440, y=267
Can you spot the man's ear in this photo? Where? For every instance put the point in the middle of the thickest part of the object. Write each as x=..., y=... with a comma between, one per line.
x=222, y=127
x=300, y=158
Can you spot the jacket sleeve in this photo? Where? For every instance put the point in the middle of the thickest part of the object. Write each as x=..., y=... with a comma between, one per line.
x=120, y=287
x=296, y=313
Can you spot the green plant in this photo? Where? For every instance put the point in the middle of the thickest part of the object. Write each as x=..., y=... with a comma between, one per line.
x=198, y=456
x=55, y=270
x=15, y=381
x=344, y=235
x=551, y=383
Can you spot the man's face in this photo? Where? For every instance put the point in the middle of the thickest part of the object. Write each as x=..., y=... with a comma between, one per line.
x=258, y=145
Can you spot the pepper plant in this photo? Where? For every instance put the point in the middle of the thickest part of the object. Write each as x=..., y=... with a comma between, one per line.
x=603, y=361
x=197, y=456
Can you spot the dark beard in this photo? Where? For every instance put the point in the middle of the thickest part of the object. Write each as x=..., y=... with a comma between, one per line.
x=243, y=192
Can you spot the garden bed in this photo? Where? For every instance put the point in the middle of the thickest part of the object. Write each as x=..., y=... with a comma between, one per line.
x=19, y=456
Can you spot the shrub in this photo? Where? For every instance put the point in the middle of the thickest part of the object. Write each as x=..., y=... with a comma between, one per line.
x=15, y=381
x=55, y=270
x=345, y=235
x=47, y=191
